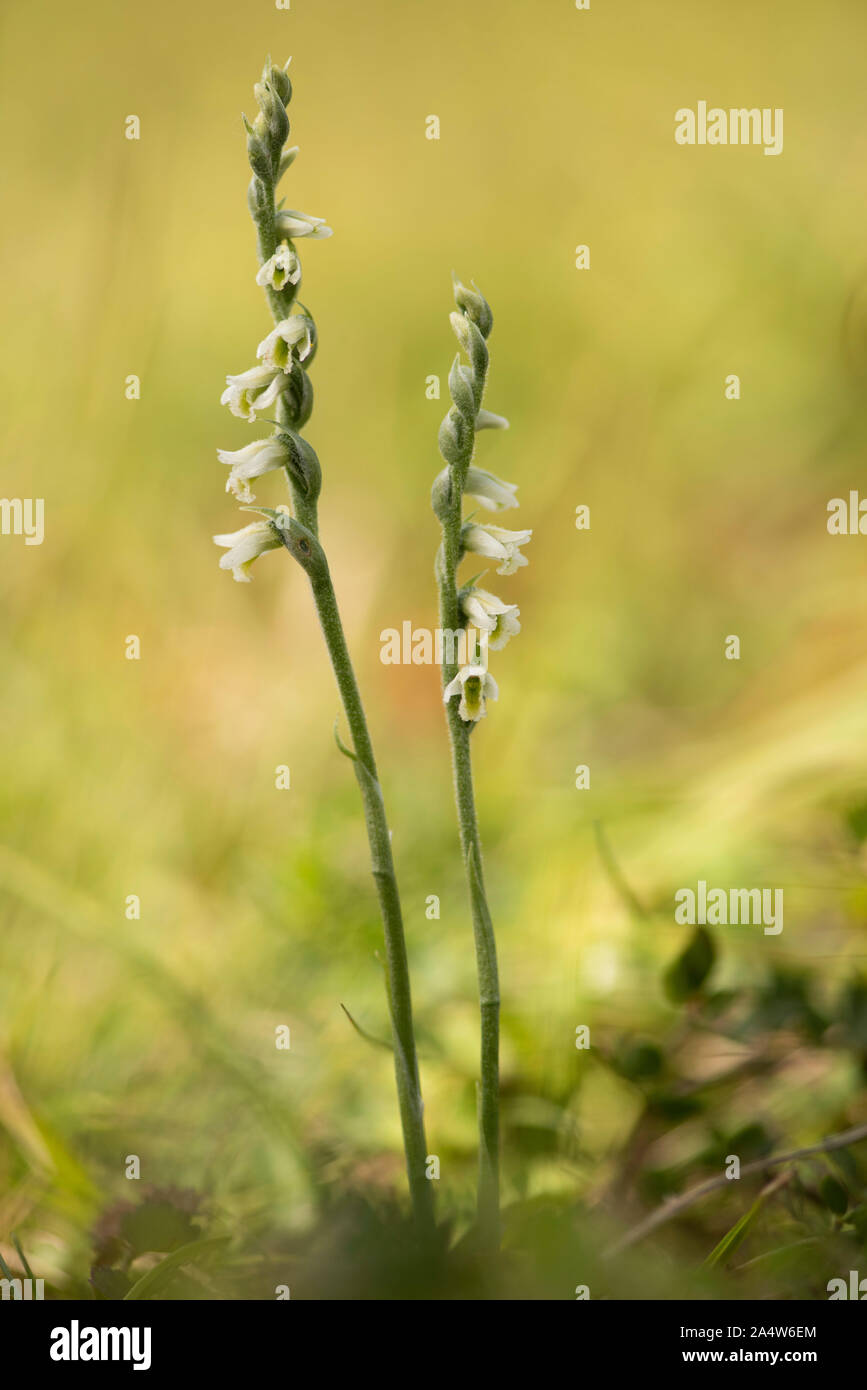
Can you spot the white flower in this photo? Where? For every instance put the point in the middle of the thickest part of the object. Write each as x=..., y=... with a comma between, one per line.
x=499, y=620
x=487, y=420
x=262, y=456
x=246, y=545
x=475, y=685
x=283, y=266
x=294, y=224
x=252, y=391
x=493, y=493
x=497, y=544
x=277, y=349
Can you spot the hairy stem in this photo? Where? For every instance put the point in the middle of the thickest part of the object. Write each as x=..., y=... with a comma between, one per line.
x=382, y=864
x=483, y=932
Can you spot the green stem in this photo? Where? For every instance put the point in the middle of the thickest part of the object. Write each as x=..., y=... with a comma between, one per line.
x=379, y=838
x=382, y=864
x=488, y=980
x=488, y=1197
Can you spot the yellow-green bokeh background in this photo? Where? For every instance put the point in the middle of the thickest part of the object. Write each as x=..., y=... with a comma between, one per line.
x=156, y=777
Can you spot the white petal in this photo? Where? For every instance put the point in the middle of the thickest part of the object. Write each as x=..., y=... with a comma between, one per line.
x=483, y=542
x=509, y=537
x=477, y=611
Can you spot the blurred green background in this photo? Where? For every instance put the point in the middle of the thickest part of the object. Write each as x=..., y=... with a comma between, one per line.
x=156, y=777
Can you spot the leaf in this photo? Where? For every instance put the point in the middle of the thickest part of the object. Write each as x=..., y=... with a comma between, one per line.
x=834, y=1195
x=686, y=975
x=733, y=1237
x=347, y=752
x=639, y=1060
x=150, y=1284
x=368, y=1037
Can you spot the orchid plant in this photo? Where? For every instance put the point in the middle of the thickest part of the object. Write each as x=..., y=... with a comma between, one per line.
x=467, y=689
x=279, y=386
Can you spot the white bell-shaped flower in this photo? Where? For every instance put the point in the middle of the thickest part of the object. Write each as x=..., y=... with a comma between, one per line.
x=246, y=545
x=262, y=456
x=475, y=685
x=499, y=620
x=497, y=544
x=253, y=391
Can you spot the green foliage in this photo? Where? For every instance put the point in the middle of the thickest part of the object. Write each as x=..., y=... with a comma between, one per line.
x=687, y=974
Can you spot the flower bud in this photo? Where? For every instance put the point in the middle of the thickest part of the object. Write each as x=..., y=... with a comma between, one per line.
x=453, y=437
x=461, y=390
x=492, y=492
x=279, y=80
x=258, y=196
x=441, y=495
x=298, y=397
x=487, y=420
x=475, y=306
x=258, y=152
x=474, y=346
x=303, y=463
x=274, y=112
